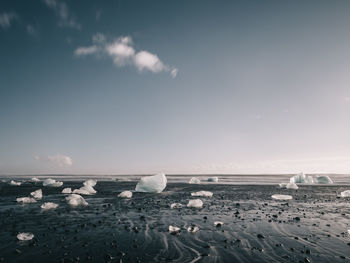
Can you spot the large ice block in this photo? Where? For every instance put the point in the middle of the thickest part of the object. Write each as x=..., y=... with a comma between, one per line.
x=152, y=184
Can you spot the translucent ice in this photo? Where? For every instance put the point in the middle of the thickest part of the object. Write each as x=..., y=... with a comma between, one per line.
x=25, y=236
x=38, y=194
x=48, y=206
x=218, y=223
x=301, y=179
x=174, y=229
x=323, y=179
x=52, y=183
x=90, y=182
x=202, y=193
x=34, y=179
x=85, y=190
x=213, y=179
x=193, y=229
x=67, y=191
x=292, y=186
x=282, y=185
x=152, y=184
x=75, y=200
x=194, y=180
x=125, y=194
x=26, y=200
x=175, y=205
x=195, y=203
x=15, y=183
x=281, y=197
x=345, y=193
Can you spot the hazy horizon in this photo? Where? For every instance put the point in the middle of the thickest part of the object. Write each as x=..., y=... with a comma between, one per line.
x=185, y=87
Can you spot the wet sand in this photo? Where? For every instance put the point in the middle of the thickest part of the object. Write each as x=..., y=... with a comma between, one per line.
x=310, y=228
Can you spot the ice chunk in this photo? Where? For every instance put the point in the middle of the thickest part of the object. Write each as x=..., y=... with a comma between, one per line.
x=67, y=191
x=323, y=179
x=292, y=186
x=125, y=194
x=25, y=236
x=282, y=185
x=193, y=229
x=48, y=206
x=75, y=200
x=301, y=179
x=52, y=183
x=194, y=180
x=85, y=190
x=195, y=203
x=345, y=193
x=15, y=183
x=90, y=182
x=38, y=194
x=218, y=223
x=202, y=193
x=25, y=200
x=213, y=179
x=281, y=197
x=34, y=179
x=174, y=229
x=175, y=205
x=152, y=184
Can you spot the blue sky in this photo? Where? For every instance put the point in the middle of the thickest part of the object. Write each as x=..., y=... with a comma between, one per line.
x=124, y=87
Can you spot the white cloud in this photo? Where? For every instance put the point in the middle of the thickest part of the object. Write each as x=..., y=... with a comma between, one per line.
x=58, y=160
x=123, y=53
x=66, y=19
x=6, y=19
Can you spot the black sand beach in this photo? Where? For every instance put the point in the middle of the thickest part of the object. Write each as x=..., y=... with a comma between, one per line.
x=310, y=228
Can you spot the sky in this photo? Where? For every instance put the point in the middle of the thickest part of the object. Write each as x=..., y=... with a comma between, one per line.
x=137, y=87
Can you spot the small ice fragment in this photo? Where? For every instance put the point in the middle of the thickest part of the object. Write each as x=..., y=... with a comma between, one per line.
x=38, y=194
x=25, y=200
x=90, y=182
x=174, y=229
x=202, y=193
x=348, y=231
x=25, y=236
x=213, y=179
x=175, y=205
x=301, y=179
x=85, y=190
x=194, y=180
x=34, y=179
x=281, y=197
x=75, y=200
x=323, y=179
x=218, y=223
x=193, y=229
x=292, y=186
x=195, y=203
x=67, y=191
x=345, y=193
x=15, y=183
x=52, y=183
x=283, y=185
x=48, y=206
x=125, y=194
x=152, y=184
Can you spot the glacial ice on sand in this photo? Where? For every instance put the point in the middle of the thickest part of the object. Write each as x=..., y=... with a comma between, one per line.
x=25, y=200
x=292, y=186
x=52, y=183
x=48, y=206
x=281, y=197
x=175, y=206
x=193, y=229
x=345, y=193
x=152, y=184
x=174, y=229
x=323, y=179
x=194, y=180
x=15, y=183
x=195, y=203
x=213, y=179
x=25, y=236
x=38, y=194
x=202, y=193
x=75, y=200
x=34, y=179
x=90, y=182
x=87, y=189
x=67, y=190
x=282, y=185
x=125, y=194
x=301, y=179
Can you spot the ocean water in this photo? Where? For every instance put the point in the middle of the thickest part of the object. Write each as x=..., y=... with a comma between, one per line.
x=313, y=226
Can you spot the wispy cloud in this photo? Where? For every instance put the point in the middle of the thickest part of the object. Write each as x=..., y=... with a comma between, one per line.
x=31, y=30
x=6, y=19
x=66, y=19
x=58, y=160
x=123, y=53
